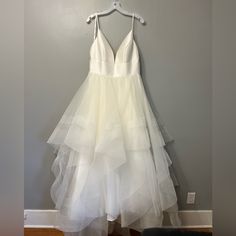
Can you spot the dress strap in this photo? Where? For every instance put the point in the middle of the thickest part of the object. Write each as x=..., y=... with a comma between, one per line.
x=96, y=26
x=132, y=25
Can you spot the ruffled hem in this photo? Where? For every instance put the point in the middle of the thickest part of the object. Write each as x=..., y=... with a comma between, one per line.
x=110, y=160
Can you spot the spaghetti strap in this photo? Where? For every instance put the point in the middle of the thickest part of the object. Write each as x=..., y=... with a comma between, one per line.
x=96, y=26
x=132, y=25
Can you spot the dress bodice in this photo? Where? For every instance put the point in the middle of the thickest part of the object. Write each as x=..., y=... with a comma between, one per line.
x=104, y=61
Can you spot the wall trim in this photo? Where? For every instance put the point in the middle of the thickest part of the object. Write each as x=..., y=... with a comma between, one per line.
x=189, y=218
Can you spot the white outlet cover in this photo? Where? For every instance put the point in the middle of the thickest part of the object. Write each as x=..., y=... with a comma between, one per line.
x=191, y=197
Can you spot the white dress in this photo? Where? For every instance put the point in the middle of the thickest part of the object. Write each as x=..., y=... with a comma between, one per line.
x=111, y=164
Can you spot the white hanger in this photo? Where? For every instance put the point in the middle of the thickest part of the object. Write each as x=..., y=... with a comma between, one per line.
x=116, y=6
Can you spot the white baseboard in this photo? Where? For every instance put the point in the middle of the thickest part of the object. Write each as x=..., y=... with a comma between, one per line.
x=196, y=219
x=45, y=218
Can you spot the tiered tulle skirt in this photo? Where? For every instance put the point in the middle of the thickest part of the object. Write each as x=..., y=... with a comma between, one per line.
x=110, y=159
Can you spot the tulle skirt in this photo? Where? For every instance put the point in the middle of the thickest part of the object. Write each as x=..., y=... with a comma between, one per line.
x=110, y=163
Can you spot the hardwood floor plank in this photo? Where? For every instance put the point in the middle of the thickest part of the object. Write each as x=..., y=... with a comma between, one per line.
x=42, y=232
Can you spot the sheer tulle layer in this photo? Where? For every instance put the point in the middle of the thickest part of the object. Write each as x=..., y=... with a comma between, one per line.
x=111, y=162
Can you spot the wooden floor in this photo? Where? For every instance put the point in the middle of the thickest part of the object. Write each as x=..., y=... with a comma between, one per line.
x=54, y=232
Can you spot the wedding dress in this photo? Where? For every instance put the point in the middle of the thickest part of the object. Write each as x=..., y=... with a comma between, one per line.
x=110, y=163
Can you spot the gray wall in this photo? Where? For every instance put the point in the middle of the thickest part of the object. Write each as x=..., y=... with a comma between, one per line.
x=11, y=118
x=224, y=117
x=175, y=50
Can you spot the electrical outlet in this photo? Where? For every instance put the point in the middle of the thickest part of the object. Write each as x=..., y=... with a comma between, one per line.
x=25, y=216
x=191, y=197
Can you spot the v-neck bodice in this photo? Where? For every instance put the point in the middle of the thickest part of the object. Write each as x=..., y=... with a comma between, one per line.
x=103, y=60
